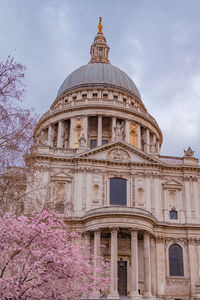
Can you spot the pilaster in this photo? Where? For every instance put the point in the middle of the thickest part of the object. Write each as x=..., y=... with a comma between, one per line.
x=99, y=138
x=71, y=135
x=147, y=265
x=113, y=128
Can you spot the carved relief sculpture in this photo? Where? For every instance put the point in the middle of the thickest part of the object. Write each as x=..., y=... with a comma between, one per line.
x=118, y=154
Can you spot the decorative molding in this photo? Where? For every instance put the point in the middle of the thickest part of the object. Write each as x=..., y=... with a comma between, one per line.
x=193, y=241
x=103, y=189
x=133, y=190
x=177, y=280
x=117, y=174
x=169, y=240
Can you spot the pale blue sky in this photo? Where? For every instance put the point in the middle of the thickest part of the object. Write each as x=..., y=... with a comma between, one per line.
x=156, y=42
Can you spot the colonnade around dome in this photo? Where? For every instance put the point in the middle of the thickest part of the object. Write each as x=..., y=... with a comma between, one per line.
x=103, y=121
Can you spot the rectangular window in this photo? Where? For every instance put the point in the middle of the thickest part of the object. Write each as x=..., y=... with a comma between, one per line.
x=93, y=144
x=105, y=96
x=94, y=95
x=173, y=215
x=117, y=191
x=84, y=96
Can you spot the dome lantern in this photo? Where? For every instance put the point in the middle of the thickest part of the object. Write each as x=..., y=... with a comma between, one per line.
x=99, y=49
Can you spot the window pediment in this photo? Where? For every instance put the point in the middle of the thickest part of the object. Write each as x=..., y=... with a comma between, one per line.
x=172, y=184
x=61, y=176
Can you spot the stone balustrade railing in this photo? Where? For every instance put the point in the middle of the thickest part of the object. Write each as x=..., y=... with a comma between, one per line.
x=95, y=101
x=58, y=151
x=171, y=160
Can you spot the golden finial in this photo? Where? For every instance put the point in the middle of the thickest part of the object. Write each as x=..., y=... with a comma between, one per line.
x=100, y=26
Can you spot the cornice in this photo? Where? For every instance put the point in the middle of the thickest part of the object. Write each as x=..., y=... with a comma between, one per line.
x=159, y=166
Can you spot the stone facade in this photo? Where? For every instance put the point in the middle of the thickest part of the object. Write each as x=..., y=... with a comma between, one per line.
x=98, y=130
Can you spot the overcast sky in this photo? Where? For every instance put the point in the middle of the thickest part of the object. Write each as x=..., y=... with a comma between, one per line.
x=156, y=42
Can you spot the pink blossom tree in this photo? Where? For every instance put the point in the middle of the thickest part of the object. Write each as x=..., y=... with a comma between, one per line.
x=16, y=133
x=41, y=259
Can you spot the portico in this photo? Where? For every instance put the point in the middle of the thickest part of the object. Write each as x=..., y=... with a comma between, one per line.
x=115, y=238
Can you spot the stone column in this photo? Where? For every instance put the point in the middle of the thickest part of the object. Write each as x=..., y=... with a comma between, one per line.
x=99, y=138
x=85, y=130
x=71, y=135
x=139, y=136
x=97, y=242
x=147, y=141
x=127, y=131
x=153, y=266
x=60, y=135
x=134, y=263
x=50, y=142
x=114, y=264
x=147, y=265
x=113, y=128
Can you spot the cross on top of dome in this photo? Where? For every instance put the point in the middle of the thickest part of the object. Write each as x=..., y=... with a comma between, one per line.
x=99, y=49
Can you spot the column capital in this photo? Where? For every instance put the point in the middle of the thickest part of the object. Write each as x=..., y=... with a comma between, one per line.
x=134, y=229
x=87, y=233
x=114, y=229
x=97, y=232
x=146, y=234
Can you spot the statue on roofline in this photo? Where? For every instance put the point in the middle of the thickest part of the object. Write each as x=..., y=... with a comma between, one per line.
x=189, y=152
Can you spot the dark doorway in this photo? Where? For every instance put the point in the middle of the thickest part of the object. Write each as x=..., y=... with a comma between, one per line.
x=122, y=277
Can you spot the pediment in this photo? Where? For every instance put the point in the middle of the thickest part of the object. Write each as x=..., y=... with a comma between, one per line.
x=119, y=152
x=172, y=184
x=61, y=176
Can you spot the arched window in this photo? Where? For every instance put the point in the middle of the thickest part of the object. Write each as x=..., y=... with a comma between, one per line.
x=117, y=191
x=175, y=260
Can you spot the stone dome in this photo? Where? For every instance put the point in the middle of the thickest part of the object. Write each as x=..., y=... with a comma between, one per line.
x=99, y=73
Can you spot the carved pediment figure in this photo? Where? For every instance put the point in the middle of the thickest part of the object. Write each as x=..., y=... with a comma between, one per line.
x=118, y=154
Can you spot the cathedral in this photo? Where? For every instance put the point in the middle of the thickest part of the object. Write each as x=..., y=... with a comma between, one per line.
x=98, y=163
